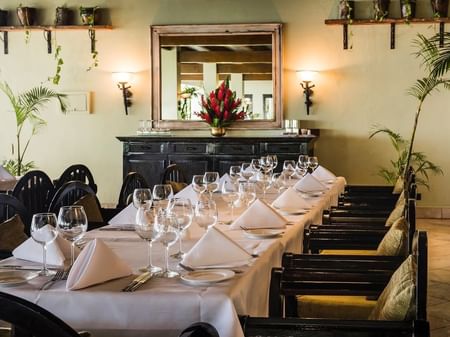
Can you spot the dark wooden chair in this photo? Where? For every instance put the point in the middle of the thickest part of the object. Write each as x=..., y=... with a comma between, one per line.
x=77, y=172
x=174, y=176
x=35, y=190
x=29, y=319
x=199, y=329
x=72, y=192
x=132, y=181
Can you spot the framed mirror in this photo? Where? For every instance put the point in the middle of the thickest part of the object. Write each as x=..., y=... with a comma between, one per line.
x=189, y=61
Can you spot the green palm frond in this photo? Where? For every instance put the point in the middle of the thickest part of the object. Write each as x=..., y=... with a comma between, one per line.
x=424, y=86
x=436, y=59
x=396, y=139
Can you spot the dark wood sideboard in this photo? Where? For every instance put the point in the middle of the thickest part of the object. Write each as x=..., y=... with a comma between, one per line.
x=150, y=155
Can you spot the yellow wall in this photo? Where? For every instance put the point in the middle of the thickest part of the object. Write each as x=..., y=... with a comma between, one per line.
x=355, y=89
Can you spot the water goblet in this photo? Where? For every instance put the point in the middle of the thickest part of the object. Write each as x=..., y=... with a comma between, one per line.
x=274, y=160
x=266, y=163
x=182, y=209
x=256, y=165
x=167, y=228
x=141, y=197
x=303, y=161
x=230, y=194
x=211, y=181
x=145, y=229
x=197, y=183
x=43, y=231
x=205, y=213
x=161, y=194
x=264, y=181
x=235, y=171
x=289, y=168
x=72, y=225
x=300, y=171
x=246, y=171
x=279, y=181
x=247, y=192
x=313, y=163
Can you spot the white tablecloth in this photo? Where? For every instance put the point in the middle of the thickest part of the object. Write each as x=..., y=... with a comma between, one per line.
x=163, y=307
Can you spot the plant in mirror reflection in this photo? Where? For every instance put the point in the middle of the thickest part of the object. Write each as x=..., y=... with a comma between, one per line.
x=421, y=165
x=26, y=106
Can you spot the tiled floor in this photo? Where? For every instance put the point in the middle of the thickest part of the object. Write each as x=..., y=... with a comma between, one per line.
x=438, y=275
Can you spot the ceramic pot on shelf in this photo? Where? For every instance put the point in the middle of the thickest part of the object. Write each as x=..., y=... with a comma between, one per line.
x=26, y=15
x=63, y=16
x=381, y=9
x=440, y=8
x=3, y=18
x=408, y=9
x=346, y=9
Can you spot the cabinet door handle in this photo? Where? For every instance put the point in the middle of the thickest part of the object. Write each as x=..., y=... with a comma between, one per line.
x=191, y=148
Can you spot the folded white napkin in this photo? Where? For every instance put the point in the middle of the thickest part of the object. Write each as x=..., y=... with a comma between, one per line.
x=188, y=193
x=259, y=215
x=5, y=175
x=216, y=249
x=127, y=216
x=322, y=174
x=97, y=263
x=57, y=251
x=290, y=199
x=309, y=184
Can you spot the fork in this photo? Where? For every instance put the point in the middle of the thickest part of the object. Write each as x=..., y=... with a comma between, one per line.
x=58, y=276
x=189, y=268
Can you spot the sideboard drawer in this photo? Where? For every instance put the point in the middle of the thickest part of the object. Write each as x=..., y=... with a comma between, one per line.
x=146, y=147
x=235, y=149
x=275, y=148
x=189, y=148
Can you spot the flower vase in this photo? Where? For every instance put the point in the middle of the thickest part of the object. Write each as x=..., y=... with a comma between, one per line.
x=218, y=132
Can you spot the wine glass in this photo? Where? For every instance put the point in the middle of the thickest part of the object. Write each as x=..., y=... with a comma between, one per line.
x=266, y=163
x=161, y=194
x=72, y=225
x=197, y=183
x=230, y=194
x=142, y=196
x=182, y=209
x=289, y=168
x=303, y=161
x=279, y=181
x=247, y=192
x=43, y=231
x=235, y=171
x=264, y=181
x=211, y=181
x=145, y=228
x=205, y=213
x=256, y=165
x=246, y=171
x=313, y=163
x=167, y=227
x=274, y=160
x=300, y=171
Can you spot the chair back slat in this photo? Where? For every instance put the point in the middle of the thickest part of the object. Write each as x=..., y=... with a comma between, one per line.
x=78, y=172
x=132, y=181
x=10, y=206
x=173, y=173
x=68, y=194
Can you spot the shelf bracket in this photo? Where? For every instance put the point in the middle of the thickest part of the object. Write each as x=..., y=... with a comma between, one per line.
x=92, y=37
x=48, y=38
x=392, y=35
x=441, y=34
x=5, y=42
x=345, y=35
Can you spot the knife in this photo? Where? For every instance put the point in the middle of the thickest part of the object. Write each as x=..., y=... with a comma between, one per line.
x=141, y=282
x=136, y=281
x=127, y=229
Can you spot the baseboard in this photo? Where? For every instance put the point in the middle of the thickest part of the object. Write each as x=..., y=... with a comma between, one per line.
x=433, y=213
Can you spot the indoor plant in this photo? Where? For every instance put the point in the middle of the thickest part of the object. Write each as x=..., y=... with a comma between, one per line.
x=408, y=9
x=220, y=109
x=26, y=108
x=381, y=9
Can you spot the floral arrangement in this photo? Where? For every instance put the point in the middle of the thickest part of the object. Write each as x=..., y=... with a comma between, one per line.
x=220, y=108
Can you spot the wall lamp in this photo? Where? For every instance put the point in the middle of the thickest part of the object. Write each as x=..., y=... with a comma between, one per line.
x=122, y=80
x=306, y=77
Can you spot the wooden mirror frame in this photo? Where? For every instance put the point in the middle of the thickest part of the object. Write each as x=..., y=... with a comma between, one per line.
x=264, y=28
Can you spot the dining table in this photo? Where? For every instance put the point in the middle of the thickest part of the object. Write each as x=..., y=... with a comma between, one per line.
x=163, y=306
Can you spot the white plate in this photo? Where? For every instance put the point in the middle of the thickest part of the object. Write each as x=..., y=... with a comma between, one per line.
x=314, y=194
x=262, y=233
x=15, y=277
x=207, y=277
x=292, y=211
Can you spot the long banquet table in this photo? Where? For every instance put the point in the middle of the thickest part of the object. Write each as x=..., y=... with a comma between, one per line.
x=163, y=307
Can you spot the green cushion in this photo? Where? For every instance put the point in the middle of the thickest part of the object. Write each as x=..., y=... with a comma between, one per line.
x=90, y=205
x=396, y=213
x=397, y=301
x=12, y=233
x=395, y=241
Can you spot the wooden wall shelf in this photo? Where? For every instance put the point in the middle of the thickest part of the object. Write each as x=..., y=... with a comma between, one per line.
x=48, y=33
x=388, y=21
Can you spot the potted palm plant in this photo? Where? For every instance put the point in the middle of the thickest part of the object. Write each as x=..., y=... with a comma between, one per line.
x=26, y=107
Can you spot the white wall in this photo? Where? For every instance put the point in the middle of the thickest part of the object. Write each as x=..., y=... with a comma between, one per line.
x=354, y=90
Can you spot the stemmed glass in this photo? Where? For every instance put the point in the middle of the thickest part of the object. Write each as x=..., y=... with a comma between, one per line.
x=145, y=228
x=289, y=168
x=197, y=183
x=161, y=194
x=230, y=194
x=313, y=163
x=72, y=225
x=274, y=160
x=256, y=165
x=206, y=213
x=167, y=227
x=264, y=181
x=266, y=163
x=211, y=181
x=246, y=171
x=141, y=197
x=279, y=181
x=235, y=171
x=182, y=209
x=303, y=161
x=43, y=231
x=247, y=192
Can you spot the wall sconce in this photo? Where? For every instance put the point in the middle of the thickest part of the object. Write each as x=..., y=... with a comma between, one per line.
x=122, y=80
x=306, y=77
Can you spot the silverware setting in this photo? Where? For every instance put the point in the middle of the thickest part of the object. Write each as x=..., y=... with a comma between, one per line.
x=18, y=267
x=120, y=229
x=189, y=268
x=138, y=282
x=61, y=274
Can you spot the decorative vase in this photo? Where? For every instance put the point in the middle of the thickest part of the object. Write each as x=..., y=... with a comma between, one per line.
x=88, y=15
x=440, y=8
x=63, y=16
x=218, y=132
x=26, y=15
x=381, y=9
x=346, y=9
x=3, y=17
x=408, y=9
